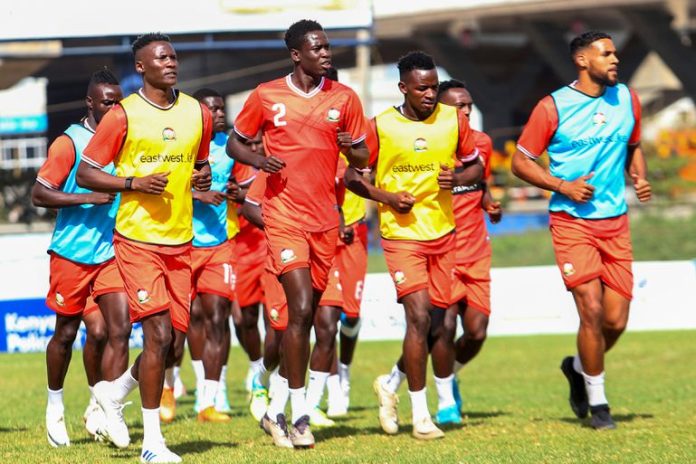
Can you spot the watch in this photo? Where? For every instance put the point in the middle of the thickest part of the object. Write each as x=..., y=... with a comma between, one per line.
x=129, y=183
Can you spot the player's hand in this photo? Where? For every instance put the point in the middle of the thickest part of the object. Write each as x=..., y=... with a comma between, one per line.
x=201, y=179
x=344, y=141
x=232, y=189
x=446, y=177
x=153, y=184
x=346, y=234
x=578, y=190
x=210, y=197
x=100, y=198
x=402, y=202
x=271, y=164
x=495, y=212
x=643, y=189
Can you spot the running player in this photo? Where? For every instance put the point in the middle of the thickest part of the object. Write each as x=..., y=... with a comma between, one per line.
x=155, y=138
x=83, y=271
x=304, y=118
x=417, y=145
x=591, y=131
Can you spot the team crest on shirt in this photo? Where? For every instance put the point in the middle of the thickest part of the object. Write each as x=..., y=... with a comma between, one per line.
x=274, y=315
x=287, y=255
x=599, y=119
x=168, y=134
x=333, y=115
x=143, y=296
x=568, y=269
x=399, y=277
x=420, y=145
x=60, y=301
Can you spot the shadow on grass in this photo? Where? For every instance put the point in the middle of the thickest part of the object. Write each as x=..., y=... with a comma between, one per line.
x=201, y=446
x=484, y=414
x=617, y=418
x=340, y=431
x=13, y=429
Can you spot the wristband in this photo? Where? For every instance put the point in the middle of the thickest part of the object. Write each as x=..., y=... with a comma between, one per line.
x=129, y=183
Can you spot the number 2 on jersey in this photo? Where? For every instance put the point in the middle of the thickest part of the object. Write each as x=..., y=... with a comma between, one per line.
x=279, y=109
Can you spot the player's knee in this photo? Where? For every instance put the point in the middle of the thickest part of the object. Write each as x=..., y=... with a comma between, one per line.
x=97, y=334
x=420, y=323
x=65, y=336
x=326, y=333
x=159, y=339
x=477, y=330
x=615, y=325
x=591, y=313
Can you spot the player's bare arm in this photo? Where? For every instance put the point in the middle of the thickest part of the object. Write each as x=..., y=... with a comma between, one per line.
x=401, y=202
x=239, y=151
x=638, y=170
x=528, y=170
x=491, y=206
x=93, y=178
x=202, y=178
x=49, y=198
x=468, y=174
x=253, y=214
x=357, y=154
x=209, y=197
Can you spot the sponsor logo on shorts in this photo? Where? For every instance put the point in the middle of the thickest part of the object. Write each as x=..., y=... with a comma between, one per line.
x=143, y=296
x=274, y=315
x=168, y=134
x=60, y=301
x=399, y=277
x=333, y=115
x=287, y=255
x=420, y=145
x=568, y=269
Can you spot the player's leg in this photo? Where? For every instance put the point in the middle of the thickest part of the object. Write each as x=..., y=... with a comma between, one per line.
x=58, y=354
x=252, y=340
x=215, y=309
x=92, y=358
x=320, y=364
x=442, y=331
x=114, y=310
x=222, y=403
x=196, y=343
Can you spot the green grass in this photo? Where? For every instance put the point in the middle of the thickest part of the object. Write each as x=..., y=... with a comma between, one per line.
x=655, y=238
x=515, y=401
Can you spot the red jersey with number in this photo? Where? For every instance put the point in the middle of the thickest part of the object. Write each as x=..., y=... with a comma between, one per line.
x=301, y=129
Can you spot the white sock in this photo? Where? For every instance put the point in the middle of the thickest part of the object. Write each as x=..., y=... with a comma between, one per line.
x=281, y=392
x=255, y=366
x=91, y=394
x=55, y=401
x=169, y=378
x=577, y=364
x=333, y=386
x=152, y=435
x=123, y=385
x=199, y=372
x=419, y=405
x=264, y=375
x=223, y=377
x=396, y=378
x=344, y=374
x=210, y=388
x=298, y=402
x=445, y=397
x=315, y=389
x=457, y=367
x=176, y=370
x=594, y=384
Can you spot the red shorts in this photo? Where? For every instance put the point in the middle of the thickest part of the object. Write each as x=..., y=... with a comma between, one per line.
x=291, y=248
x=587, y=249
x=73, y=287
x=157, y=278
x=250, y=269
x=276, y=304
x=471, y=284
x=347, y=275
x=212, y=271
x=422, y=265
x=91, y=305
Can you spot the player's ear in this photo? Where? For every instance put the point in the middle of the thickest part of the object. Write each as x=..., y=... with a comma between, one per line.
x=89, y=103
x=402, y=87
x=295, y=55
x=580, y=59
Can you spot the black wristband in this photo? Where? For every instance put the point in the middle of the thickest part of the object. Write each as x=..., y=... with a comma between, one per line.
x=129, y=183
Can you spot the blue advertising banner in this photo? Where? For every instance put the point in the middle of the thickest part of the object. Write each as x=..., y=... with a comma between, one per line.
x=23, y=124
x=27, y=325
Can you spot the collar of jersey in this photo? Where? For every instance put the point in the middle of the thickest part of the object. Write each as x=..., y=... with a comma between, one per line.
x=176, y=97
x=293, y=87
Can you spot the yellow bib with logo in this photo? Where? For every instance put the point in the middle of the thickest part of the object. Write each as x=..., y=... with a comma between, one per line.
x=157, y=141
x=232, y=220
x=410, y=155
x=354, y=206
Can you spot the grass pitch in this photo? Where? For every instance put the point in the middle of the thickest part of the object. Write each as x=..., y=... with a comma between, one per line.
x=515, y=405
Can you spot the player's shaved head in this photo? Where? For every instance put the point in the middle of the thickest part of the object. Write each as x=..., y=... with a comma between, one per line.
x=449, y=84
x=415, y=60
x=585, y=39
x=295, y=35
x=102, y=76
x=146, y=39
x=205, y=92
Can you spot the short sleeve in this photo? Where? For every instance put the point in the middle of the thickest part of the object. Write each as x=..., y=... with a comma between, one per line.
x=243, y=173
x=250, y=119
x=354, y=121
x=59, y=162
x=257, y=189
x=107, y=141
x=204, y=147
x=637, y=113
x=466, y=148
x=538, y=131
x=484, y=145
x=372, y=142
